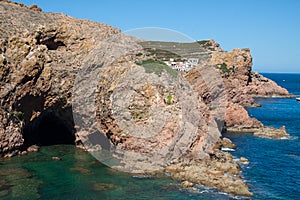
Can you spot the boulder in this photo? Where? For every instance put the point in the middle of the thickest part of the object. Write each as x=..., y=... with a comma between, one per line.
x=243, y=160
x=56, y=158
x=187, y=184
x=33, y=148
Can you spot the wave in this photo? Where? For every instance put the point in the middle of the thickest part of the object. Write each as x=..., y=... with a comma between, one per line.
x=204, y=191
x=284, y=138
x=142, y=176
x=289, y=138
x=227, y=149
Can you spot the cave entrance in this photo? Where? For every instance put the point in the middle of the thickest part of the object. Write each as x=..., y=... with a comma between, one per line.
x=48, y=129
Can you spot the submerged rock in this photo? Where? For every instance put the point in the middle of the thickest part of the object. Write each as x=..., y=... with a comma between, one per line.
x=103, y=186
x=81, y=170
x=56, y=158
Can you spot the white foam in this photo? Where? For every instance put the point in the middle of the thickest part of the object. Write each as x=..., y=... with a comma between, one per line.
x=284, y=138
x=227, y=149
x=204, y=191
x=289, y=138
x=224, y=193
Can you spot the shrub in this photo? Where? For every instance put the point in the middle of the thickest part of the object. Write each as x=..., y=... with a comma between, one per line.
x=224, y=69
x=169, y=99
x=157, y=67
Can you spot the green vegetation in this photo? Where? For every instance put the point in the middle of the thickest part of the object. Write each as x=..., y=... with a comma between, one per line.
x=157, y=67
x=176, y=50
x=205, y=43
x=20, y=115
x=162, y=54
x=139, y=54
x=169, y=99
x=12, y=114
x=226, y=71
x=137, y=116
x=138, y=112
x=179, y=60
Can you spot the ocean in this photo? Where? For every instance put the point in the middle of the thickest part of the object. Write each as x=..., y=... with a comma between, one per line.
x=273, y=171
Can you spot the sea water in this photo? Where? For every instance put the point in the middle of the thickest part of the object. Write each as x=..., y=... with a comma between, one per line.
x=78, y=175
x=273, y=171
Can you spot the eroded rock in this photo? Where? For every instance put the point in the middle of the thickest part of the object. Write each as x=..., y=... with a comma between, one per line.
x=220, y=171
x=271, y=132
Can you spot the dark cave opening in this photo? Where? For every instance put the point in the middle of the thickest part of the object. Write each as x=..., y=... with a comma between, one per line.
x=48, y=129
x=52, y=44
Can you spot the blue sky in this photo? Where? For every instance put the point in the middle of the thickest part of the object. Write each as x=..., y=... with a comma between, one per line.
x=270, y=28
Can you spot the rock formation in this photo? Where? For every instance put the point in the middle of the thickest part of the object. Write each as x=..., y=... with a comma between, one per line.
x=41, y=55
x=242, y=85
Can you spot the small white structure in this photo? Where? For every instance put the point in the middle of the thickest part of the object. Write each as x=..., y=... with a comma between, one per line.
x=193, y=61
x=182, y=66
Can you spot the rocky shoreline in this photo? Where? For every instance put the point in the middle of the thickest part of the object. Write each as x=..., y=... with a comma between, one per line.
x=41, y=54
x=267, y=132
x=220, y=171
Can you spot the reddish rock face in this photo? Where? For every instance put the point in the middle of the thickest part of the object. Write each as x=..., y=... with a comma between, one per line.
x=240, y=84
x=237, y=116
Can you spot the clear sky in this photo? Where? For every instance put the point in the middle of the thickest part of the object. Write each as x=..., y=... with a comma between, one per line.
x=270, y=28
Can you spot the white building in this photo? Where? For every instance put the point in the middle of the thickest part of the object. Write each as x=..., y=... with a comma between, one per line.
x=193, y=61
x=182, y=66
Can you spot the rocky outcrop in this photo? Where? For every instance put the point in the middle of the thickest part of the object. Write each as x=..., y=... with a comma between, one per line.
x=262, y=86
x=237, y=117
x=271, y=132
x=11, y=138
x=219, y=172
x=32, y=7
x=155, y=115
x=40, y=61
x=224, y=143
x=242, y=85
x=40, y=54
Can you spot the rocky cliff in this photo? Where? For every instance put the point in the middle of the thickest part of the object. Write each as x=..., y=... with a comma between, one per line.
x=40, y=54
x=173, y=115
x=241, y=85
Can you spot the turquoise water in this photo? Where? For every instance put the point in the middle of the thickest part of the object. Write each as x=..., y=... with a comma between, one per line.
x=80, y=176
x=274, y=169
x=273, y=172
